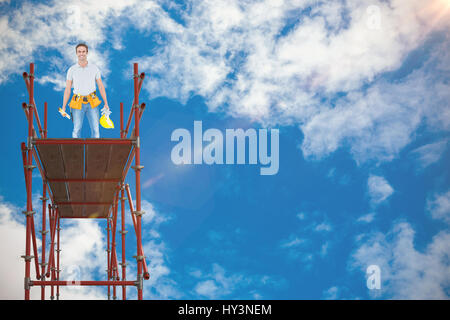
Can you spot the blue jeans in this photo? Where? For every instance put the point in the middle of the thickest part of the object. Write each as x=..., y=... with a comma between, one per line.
x=92, y=116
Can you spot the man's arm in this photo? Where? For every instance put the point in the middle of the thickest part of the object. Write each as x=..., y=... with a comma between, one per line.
x=66, y=94
x=101, y=88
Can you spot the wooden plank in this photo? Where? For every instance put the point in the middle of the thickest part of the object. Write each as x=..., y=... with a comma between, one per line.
x=59, y=191
x=96, y=165
x=78, y=211
x=94, y=191
x=100, y=191
x=97, y=157
x=77, y=162
x=96, y=211
x=117, y=161
x=76, y=191
x=109, y=189
x=65, y=211
x=52, y=161
x=73, y=156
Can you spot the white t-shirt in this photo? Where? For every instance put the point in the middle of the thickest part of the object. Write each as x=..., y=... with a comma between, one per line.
x=83, y=78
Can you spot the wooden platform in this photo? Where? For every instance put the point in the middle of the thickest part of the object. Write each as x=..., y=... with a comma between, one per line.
x=72, y=171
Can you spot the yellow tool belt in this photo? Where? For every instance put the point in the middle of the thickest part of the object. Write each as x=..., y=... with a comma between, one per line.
x=78, y=100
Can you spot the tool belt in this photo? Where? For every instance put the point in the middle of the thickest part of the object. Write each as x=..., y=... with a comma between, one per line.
x=78, y=100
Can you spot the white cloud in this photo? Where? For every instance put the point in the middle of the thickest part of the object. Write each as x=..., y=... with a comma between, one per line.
x=367, y=218
x=207, y=288
x=235, y=55
x=80, y=239
x=42, y=26
x=323, y=227
x=92, y=250
x=160, y=285
x=331, y=294
x=217, y=284
x=151, y=220
x=406, y=273
x=439, y=206
x=379, y=189
x=58, y=80
x=32, y=29
x=429, y=153
x=221, y=284
x=216, y=32
x=314, y=242
x=378, y=122
x=151, y=216
x=375, y=125
x=83, y=256
x=324, y=249
x=197, y=273
x=293, y=241
x=11, y=228
x=265, y=60
x=301, y=216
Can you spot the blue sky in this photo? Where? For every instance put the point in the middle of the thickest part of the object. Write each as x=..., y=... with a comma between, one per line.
x=358, y=91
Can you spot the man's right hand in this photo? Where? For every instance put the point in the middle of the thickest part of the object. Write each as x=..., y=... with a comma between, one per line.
x=63, y=112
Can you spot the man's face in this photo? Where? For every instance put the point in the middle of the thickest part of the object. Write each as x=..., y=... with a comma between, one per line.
x=81, y=53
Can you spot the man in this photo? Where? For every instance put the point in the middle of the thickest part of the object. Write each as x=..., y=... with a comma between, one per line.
x=83, y=76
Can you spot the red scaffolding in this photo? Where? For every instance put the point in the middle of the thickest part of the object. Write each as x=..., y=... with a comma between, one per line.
x=84, y=178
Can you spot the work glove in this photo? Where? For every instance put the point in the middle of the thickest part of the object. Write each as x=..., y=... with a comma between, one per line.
x=105, y=112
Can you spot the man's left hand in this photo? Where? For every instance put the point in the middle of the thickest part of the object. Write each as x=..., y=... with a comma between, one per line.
x=105, y=110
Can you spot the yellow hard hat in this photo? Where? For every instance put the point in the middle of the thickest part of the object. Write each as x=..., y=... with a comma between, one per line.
x=106, y=122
